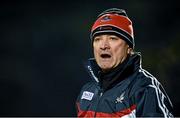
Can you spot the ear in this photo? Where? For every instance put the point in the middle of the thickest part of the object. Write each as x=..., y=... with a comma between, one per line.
x=129, y=50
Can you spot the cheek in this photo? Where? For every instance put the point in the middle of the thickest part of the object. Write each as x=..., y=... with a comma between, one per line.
x=119, y=53
x=95, y=51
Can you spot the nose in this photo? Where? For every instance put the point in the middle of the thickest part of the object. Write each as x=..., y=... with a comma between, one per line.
x=105, y=44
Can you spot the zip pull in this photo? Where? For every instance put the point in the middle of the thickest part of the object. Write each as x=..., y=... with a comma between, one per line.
x=101, y=94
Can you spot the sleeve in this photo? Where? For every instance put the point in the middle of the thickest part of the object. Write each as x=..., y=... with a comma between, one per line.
x=78, y=99
x=78, y=104
x=152, y=102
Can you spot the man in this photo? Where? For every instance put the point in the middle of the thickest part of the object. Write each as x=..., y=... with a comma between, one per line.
x=120, y=87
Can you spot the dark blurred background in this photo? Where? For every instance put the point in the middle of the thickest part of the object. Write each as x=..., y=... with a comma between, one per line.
x=43, y=46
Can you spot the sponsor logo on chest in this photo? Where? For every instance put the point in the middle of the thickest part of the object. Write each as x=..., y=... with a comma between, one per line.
x=87, y=95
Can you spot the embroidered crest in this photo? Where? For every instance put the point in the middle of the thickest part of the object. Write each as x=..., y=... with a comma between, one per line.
x=120, y=98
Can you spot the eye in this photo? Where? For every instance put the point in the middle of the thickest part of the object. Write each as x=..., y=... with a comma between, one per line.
x=96, y=39
x=114, y=38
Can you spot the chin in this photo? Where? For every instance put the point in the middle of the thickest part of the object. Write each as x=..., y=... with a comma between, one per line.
x=106, y=67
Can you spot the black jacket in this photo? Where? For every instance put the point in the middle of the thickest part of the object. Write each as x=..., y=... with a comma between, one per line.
x=127, y=90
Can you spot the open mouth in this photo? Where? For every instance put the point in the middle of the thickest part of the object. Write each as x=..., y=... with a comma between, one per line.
x=105, y=56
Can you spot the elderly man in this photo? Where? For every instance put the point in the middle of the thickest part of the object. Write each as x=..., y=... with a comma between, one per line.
x=120, y=87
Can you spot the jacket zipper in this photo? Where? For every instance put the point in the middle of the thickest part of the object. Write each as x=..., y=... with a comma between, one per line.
x=100, y=95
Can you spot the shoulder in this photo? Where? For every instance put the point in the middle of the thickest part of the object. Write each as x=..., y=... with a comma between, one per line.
x=147, y=80
x=146, y=84
x=147, y=92
x=88, y=87
x=144, y=80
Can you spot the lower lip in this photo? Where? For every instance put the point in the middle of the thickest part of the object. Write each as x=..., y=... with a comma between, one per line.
x=106, y=59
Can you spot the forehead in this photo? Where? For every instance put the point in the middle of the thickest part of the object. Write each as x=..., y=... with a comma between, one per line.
x=108, y=34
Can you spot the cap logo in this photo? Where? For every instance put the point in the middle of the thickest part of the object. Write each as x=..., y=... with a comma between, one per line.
x=106, y=18
x=105, y=28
